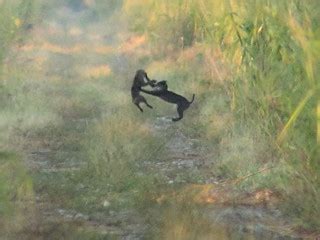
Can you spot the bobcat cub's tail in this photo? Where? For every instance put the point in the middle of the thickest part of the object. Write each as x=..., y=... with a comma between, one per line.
x=192, y=99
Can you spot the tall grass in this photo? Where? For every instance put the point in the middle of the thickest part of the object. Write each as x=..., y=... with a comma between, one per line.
x=271, y=51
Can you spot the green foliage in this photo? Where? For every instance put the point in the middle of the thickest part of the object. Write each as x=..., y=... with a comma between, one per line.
x=12, y=172
x=14, y=15
x=16, y=193
x=7, y=28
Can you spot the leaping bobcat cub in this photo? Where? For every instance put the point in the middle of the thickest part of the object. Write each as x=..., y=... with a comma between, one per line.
x=140, y=80
x=161, y=91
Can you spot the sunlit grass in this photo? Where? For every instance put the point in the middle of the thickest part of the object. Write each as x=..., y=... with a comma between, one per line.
x=75, y=49
x=103, y=49
x=98, y=71
x=132, y=44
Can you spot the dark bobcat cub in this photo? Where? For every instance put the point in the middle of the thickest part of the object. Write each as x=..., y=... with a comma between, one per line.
x=140, y=79
x=161, y=91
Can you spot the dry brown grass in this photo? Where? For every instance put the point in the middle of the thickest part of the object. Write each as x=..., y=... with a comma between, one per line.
x=97, y=71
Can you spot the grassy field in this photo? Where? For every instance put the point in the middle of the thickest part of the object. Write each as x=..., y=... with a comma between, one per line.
x=79, y=161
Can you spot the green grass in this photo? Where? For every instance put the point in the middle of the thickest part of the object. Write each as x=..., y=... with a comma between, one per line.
x=16, y=194
x=253, y=67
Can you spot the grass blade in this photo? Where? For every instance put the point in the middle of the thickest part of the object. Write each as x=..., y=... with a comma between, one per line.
x=294, y=116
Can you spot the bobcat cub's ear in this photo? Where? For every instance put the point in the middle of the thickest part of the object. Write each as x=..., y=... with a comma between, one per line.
x=153, y=83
